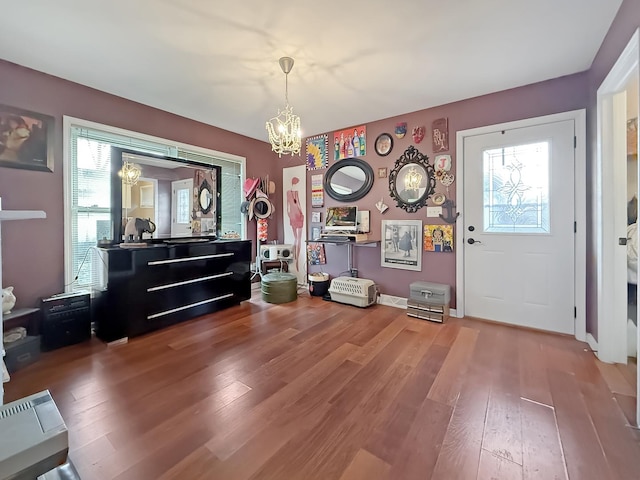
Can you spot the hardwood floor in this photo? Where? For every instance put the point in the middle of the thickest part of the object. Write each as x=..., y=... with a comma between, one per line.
x=318, y=390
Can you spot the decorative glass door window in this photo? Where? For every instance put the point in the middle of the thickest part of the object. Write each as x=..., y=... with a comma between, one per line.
x=516, y=189
x=183, y=210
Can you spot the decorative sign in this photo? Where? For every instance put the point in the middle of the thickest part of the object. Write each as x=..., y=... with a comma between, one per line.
x=317, y=152
x=351, y=142
x=442, y=162
x=438, y=238
x=440, y=135
x=317, y=191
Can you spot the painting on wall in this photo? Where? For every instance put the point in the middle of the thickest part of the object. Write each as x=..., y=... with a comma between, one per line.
x=26, y=139
x=317, y=152
x=401, y=244
x=350, y=142
x=317, y=191
x=438, y=238
x=294, y=194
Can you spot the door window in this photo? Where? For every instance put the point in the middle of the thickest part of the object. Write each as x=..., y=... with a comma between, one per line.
x=516, y=189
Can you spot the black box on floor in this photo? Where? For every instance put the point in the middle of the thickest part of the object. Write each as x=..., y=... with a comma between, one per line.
x=21, y=353
x=66, y=319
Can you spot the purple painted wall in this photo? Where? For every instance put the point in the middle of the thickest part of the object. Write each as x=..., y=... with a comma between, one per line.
x=624, y=25
x=32, y=251
x=545, y=98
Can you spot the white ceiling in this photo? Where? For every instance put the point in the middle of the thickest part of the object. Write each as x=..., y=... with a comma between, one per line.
x=355, y=61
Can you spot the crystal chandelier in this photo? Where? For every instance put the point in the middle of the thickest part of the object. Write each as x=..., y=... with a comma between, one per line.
x=130, y=173
x=412, y=179
x=284, y=131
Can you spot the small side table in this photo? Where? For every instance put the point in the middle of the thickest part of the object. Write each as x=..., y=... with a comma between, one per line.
x=267, y=265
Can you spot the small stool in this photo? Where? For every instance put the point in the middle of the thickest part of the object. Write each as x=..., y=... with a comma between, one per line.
x=279, y=287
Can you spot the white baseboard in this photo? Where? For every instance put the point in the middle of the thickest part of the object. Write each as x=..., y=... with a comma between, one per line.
x=401, y=302
x=392, y=301
x=593, y=344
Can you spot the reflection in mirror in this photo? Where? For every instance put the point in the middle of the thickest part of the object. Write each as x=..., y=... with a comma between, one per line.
x=185, y=200
x=412, y=180
x=205, y=197
x=348, y=180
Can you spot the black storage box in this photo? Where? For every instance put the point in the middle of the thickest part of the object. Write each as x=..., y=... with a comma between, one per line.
x=21, y=353
x=66, y=319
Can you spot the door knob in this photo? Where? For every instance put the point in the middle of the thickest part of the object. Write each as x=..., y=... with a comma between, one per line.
x=471, y=241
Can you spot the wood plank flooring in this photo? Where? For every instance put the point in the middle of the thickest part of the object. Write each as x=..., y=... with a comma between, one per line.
x=318, y=390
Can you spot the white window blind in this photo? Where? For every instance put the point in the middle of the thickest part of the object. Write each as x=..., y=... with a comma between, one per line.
x=90, y=193
x=232, y=196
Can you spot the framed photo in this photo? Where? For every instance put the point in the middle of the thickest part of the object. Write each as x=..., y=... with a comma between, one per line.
x=384, y=144
x=401, y=244
x=26, y=139
x=382, y=172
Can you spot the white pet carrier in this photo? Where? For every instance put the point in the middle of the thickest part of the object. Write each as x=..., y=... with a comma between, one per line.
x=359, y=292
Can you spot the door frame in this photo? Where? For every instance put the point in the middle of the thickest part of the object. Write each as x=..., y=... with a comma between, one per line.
x=611, y=344
x=579, y=117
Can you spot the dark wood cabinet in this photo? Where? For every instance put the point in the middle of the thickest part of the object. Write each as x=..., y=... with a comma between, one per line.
x=144, y=289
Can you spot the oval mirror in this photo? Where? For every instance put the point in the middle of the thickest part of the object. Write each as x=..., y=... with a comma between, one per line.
x=348, y=180
x=205, y=197
x=412, y=180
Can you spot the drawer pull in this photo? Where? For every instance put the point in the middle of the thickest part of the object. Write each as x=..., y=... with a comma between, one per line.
x=191, y=259
x=191, y=305
x=187, y=282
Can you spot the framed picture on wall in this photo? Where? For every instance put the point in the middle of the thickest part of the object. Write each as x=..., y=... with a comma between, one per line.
x=26, y=139
x=401, y=244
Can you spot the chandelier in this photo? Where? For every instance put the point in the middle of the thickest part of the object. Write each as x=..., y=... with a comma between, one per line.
x=130, y=173
x=412, y=179
x=284, y=129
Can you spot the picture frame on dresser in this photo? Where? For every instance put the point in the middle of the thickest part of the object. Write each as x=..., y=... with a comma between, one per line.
x=27, y=139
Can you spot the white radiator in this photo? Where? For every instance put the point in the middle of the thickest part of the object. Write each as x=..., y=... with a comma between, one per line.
x=359, y=292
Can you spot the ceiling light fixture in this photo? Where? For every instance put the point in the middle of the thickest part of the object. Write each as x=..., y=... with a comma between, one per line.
x=284, y=131
x=130, y=173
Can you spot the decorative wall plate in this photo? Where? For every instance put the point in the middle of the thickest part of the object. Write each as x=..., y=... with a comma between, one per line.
x=438, y=198
x=384, y=144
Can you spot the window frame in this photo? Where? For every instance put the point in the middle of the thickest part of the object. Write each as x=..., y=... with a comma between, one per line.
x=68, y=175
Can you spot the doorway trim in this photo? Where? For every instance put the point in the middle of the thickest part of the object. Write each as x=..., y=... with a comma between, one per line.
x=611, y=343
x=579, y=118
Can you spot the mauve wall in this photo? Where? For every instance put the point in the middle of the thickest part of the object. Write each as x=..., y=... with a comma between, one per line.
x=624, y=25
x=32, y=251
x=553, y=96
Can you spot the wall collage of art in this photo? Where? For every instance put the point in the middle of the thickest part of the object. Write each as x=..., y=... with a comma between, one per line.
x=414, y=182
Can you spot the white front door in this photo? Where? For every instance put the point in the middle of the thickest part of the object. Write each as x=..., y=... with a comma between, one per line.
x=519, y=226
x=181, y=206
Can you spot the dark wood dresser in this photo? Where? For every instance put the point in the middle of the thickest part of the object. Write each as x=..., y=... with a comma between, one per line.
x=144, y=289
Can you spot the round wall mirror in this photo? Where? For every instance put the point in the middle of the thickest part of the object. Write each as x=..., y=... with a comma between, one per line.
x=348, y=180
x=205, y=197
x=412, y=180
